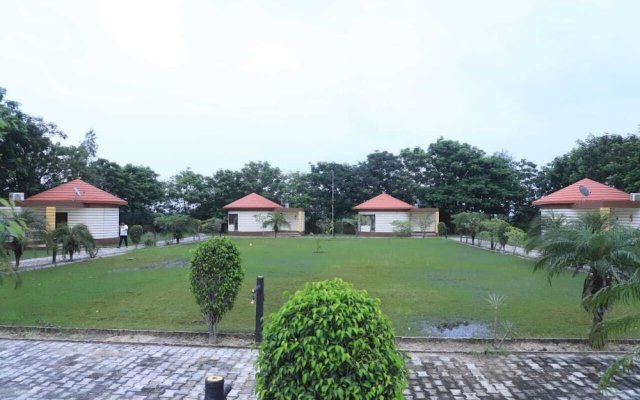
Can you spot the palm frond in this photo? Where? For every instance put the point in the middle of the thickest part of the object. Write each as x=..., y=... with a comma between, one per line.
x=620, y=366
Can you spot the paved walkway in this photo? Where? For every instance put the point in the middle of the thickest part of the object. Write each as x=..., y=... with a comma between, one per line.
x=72, y=370
x=31, y=264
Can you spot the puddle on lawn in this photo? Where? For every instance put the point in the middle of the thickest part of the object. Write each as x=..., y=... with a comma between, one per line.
x=455, y=329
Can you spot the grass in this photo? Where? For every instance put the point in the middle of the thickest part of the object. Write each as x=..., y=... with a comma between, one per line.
x=420, y=282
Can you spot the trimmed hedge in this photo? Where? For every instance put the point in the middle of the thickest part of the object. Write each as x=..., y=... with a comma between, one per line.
x=330, y=341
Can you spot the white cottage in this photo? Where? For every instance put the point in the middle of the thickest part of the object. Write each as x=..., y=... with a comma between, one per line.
x=78, y=202
x=246, y=216
x=587, y=196
x=376, y=217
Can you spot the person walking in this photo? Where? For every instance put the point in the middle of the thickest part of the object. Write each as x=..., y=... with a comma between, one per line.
x=124, y=233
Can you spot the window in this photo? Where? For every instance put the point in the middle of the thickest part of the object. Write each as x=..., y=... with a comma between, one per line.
x=62, y=218
x=368, y=222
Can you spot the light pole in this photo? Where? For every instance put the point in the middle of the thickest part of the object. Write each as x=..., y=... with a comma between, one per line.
x=333, y=226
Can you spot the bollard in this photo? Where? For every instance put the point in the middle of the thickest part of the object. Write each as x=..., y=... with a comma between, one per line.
x=258, y=293
x=215, y=388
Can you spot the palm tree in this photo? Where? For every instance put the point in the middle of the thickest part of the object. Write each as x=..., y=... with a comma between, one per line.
x=607, y=254
x=12, y=230
x=74, y=239
x=275, y=220
x=627, y=291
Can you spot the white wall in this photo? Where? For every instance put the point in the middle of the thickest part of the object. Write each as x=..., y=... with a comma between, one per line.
x=628, y=217
x=102, y=222
x=247, y=221
x=384, y=220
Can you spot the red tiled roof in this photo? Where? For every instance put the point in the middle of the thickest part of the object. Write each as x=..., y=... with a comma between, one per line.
x=76, y=192
x=252, y=201
x=383, y=202
x=596, y=193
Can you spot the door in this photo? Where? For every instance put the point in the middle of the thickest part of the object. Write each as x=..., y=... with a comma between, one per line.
x=233, y=222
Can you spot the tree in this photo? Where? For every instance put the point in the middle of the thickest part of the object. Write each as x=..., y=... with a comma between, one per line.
x=470, y=223
x=497, y=229
x=517, y=237
x=28, y=151
x=425, y=222
x=75, y=238
x=611, y=159
x=177, y=224
x=607, y=254
x=216, y=278
x=190, y=193
x=275, y=220
x=12, y=228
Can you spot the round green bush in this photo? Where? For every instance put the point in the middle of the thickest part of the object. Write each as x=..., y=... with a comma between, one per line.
x=135, y=234
x=216, y=277
x=330, y=341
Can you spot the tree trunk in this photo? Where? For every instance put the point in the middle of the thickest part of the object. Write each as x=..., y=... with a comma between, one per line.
x=213, y=333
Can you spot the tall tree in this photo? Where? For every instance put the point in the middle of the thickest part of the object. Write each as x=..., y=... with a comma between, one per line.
x=461, y=177
x=28, y=149
x=190, y=193
x=610, y=159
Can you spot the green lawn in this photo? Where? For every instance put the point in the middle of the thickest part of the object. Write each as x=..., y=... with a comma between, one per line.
x=419, y=281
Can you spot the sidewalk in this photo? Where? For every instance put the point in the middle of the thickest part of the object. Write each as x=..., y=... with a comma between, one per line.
x=41, y=369
x=484, y=244
x=32, y=264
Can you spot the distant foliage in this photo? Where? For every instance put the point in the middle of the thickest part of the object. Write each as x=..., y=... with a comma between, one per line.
x=402, y=228
x=135, y=234
x=211, y=226
x=149, y=239
x=216, y=277
x=330, y=341
x=178, y=225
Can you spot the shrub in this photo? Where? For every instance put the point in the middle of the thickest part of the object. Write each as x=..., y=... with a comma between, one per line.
x=75, y=238
x=402, y=228
x=177, y=224
x=216, y=277
x=442, y=229
x=135, y=234
x=149, y=239
x=211, y=226
x=329, y=341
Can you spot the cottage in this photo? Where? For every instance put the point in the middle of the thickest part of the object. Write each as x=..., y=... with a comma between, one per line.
x=587, y=196
x=376, y=217
x=246, y=217
x=78, y=202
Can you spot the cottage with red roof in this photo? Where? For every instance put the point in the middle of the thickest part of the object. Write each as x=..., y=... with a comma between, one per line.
x=376, y=217
x=246, y=215
x=78, y=202
x=586, y=196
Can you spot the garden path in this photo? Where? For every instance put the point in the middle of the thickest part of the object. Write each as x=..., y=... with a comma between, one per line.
x=43, y=369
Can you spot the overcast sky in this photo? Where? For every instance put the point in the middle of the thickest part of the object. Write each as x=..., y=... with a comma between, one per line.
x=216, y=84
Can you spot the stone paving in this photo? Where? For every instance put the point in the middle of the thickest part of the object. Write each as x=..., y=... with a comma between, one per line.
x=37, y=369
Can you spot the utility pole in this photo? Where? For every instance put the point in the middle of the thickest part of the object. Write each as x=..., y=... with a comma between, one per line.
x=333, y=225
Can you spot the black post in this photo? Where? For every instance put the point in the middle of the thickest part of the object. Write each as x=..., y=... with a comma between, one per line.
x=259, y=296
x=215, y=389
